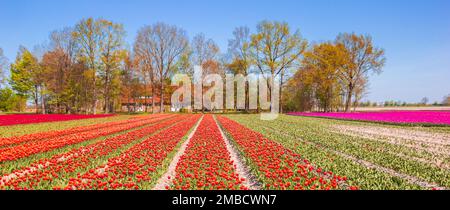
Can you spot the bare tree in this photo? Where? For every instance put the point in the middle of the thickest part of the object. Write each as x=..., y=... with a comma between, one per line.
x=205, y=52
x=203, y=49
x=3, y=66
x=360, y=91
x=361, y=58
x=166, y=44
x=63, y=39
x=58, y=63
x=424, y=101
x=446, y=101
x=128, y=80
x=239, y=49
x=143, y=57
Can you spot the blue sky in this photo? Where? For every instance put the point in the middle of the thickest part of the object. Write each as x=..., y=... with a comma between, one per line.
x=414, y=33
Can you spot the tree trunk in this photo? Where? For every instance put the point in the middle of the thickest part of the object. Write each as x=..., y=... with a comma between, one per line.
x=58, y=106
x=94, y=106
x=281, y=92
x=258, y=101
x=247, y=96
x=134, y=104
x=145, y=103
x=36, y=99
x=67, y=109
x=349, y=97
x=153, y=98
x=161, y=108
x=42, y=101
x=269, y=88
x=94, y=91
x=355, y=103
x=203, y=107
x=86, y=101
x=145, y=93
x=111, y=107
x=128, y=104
x=106, y=107
x=192, y=98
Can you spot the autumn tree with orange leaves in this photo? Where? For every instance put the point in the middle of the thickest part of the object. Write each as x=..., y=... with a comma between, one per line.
x=334, y=75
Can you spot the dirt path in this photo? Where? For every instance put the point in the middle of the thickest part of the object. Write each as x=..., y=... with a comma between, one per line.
x=166, y=179
x=241, y=168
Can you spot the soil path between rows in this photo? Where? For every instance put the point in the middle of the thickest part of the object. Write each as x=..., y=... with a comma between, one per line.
x=241, y=168
x=166, y=179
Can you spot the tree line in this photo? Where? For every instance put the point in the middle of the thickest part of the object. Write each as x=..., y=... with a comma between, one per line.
x=392, y=103
x=334, y=75
x=88, y=67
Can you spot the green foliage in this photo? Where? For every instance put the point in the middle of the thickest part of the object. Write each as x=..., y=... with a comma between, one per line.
x=275, y=47
x=317, y=82
x=101, y=49
x=22, y=71
x=6, y=100
x=9, y=101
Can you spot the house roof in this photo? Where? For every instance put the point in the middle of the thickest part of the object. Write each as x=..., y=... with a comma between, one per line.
x=140, y=100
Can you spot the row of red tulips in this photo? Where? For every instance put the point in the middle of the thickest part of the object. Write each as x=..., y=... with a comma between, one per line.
x=46, y=173
x=51, y=134
x=138, y=167
x=206, y=164
x=17, y=119
x=35, y=147
x=277, y=167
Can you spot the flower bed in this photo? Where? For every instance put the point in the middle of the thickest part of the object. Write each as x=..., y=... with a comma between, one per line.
x=59, y=133
x=400, y=117
x=277, y=167
x=206, y=165
x=136, y=168
x=34, y=147
x=45, y=173
x=18, y=119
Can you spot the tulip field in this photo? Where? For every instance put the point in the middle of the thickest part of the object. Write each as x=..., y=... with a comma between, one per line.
x=226, y=152
x=15, y=119
x=397, y=117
